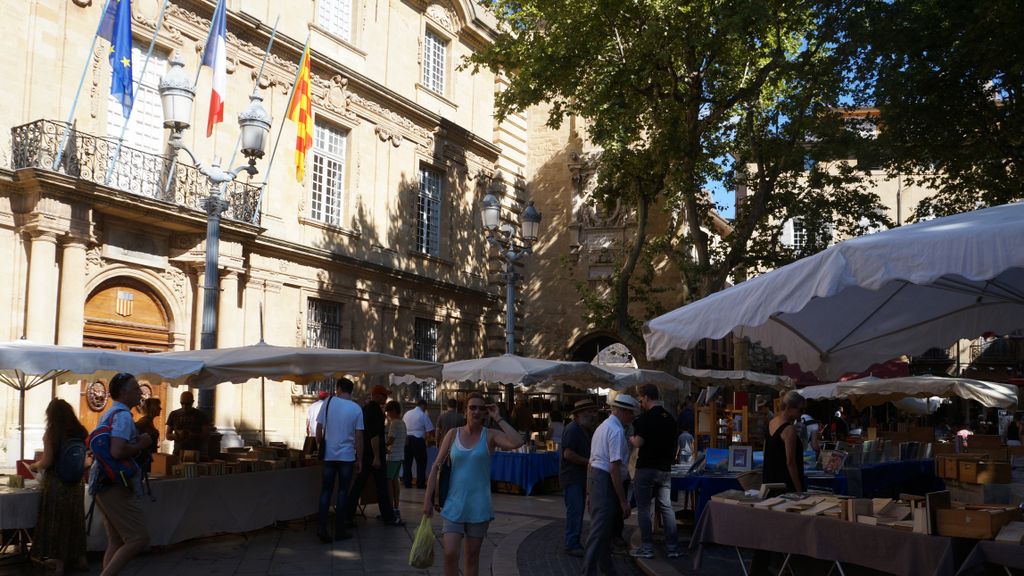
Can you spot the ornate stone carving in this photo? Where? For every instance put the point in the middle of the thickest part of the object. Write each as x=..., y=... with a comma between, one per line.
x=334, y=95
x=587, y=212
x=93, y=261
x=177, y=280
x=384, y=134
x=445, y=17
x=425, y=137
x=94, y=87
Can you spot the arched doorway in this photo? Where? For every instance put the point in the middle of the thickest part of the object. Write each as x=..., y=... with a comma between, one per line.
x=123, y=314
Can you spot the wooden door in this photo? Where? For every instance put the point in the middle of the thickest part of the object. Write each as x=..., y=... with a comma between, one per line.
x=123, y=315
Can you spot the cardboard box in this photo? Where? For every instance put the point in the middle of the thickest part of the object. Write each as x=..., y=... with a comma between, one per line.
x=980, y=472
x=163, y=464
x=975, y=522
x=948, y=465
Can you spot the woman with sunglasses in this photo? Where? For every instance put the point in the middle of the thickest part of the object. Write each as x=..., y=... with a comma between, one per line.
x=467, y=508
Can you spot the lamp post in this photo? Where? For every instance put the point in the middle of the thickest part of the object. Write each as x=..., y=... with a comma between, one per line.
x=504, y=237
x=176, y=96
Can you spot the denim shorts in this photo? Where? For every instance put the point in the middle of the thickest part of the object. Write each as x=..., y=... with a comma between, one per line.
x=470, y=529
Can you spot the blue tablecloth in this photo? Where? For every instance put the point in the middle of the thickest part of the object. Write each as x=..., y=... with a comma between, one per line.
x=886, y=480
x=523, y=469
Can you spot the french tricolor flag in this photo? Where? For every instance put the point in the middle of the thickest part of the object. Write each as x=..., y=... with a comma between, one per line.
x=215, y=56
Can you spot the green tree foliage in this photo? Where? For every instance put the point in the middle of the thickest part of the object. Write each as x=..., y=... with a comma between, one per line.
x=947, y=78
x=683, y=93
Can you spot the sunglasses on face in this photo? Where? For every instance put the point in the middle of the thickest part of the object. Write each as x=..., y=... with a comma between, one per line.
x=475, y=407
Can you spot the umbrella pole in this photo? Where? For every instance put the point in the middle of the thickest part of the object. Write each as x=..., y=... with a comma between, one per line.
x=21, y=419
x=263, y=410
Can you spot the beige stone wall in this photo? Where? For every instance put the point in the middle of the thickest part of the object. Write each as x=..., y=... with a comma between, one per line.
x=370, y=86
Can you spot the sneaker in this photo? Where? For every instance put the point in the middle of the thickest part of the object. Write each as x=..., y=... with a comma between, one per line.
x=675, y=553
x=395, y=522
x=642, y=552
x=575, y=552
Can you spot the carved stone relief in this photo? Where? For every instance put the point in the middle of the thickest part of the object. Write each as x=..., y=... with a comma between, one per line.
x=334, y=95
x=93, y=261
x=384, y=134
x=177, y=280
x=445, y=17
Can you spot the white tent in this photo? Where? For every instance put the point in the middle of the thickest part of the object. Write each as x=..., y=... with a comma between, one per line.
x=25, y=365
x=871, y=298
x=737, y=378
x=299, y=365
x=627, y=377
x=872, y=391
x=512, y=369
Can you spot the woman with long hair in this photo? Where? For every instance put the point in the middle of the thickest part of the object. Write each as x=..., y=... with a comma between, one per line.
x=467, y=508
x=60, y=529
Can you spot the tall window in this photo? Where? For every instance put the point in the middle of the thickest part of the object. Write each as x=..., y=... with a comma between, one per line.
x=146, y=125
x=323, y=330
x=424, y=346
x=335, y=16
x=799, y=235
x=328, y=173
x=428, y=212
x=434, y=48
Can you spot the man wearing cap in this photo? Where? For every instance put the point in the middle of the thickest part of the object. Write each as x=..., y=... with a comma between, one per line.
x=572, y=471
x=655, y=438
x=419, y=429
x=374, y=462
x=606, y=483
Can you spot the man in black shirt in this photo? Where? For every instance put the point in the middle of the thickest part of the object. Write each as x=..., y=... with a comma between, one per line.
x=374, y=459
x=188, y=426
x=654, y=434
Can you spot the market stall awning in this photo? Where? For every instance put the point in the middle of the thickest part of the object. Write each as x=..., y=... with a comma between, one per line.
x=868, y=299
x=295, y=364
x=875, y=391
x=512, y=369
x=628, y=377
x=736, y=378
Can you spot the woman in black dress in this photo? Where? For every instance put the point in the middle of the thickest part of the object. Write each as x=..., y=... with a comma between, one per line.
x=783, y=451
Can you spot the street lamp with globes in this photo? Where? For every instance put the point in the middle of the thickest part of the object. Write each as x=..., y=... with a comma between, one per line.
x=176, y=96
x=504, y=237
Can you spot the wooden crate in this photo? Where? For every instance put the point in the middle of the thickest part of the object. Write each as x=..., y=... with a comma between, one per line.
x=974, y=522
x=983, y=472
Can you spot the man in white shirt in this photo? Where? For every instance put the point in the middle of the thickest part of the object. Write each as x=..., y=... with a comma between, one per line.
x=606, y=483
x=339, y=432
x=419, y=429
x=313, y=412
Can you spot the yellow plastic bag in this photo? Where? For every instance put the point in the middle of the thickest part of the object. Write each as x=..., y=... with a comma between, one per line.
x=422, y=553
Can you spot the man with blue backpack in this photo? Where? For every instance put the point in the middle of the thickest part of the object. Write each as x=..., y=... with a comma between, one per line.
x=115, y=479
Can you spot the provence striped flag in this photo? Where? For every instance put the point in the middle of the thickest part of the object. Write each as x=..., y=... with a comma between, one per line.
x=299, y=112
x=215, y=56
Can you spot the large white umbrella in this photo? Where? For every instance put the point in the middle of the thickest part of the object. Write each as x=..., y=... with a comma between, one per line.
x=872, y=391
x=737, y=378
x=299, y=365
x=512, y=369
x=25, y=365
x=627, y=377
x=871, y=298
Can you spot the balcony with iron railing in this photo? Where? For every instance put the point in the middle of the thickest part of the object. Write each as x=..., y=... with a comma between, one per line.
x=1005, y=350
x=89, y=157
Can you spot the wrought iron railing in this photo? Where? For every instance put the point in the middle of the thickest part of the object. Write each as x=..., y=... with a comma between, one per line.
x=998, y=350
x=89, y=157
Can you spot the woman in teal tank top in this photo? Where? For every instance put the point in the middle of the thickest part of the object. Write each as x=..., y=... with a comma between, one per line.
x=467, y=509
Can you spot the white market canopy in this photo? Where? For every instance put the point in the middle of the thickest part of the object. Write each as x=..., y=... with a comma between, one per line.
x=871, y=298
x=737, y=378
x=299, y=365
x=872, y=391
x=628, y=377
x=24, y=364
x=512, y=369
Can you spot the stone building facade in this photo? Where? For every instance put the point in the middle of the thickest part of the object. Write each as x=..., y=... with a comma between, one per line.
x=379, y=248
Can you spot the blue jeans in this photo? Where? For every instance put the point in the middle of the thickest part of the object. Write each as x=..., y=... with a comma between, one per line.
x=340, y=472
x=651, y=483
x=575, y=496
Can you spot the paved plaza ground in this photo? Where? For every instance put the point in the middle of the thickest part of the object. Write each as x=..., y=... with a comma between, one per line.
x=526, y=538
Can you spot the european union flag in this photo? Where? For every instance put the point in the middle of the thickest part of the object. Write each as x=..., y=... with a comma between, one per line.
x=119, y=33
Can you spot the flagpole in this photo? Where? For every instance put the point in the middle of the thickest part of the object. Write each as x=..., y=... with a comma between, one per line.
x=273, y=153
x=81, y=82
x=142, y=75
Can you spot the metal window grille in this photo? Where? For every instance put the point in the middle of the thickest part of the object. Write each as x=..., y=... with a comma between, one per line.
x=799, y=235
x=335, y=16
x=323, y=330
x=424, y=346
x=328, y=174
x=434, y=48
x=428, y=212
